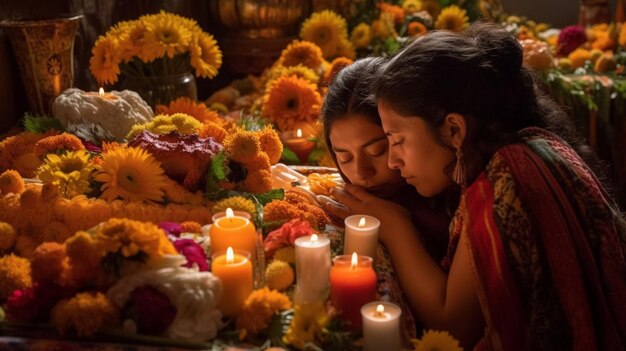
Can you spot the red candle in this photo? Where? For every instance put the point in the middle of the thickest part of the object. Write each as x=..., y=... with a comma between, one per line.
x=300, y=145
x=352, y=285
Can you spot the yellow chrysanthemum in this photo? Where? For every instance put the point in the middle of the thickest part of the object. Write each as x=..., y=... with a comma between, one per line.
x=309, y=321
x=452, y=18
x=259, y=308
x=69, y=172
x=299, y=71
x=291, y=100
x=11, y=182
x=437, y=341
x=206, y=56
x=7, y=236
x=335, y=66
x=416, y=28
x=325, y=29
x=197, y=110
x=165, y=124
x=396, y=11
x=286, y=254
x=237, y=203
x=278, y=275
x=86, y=313
x=131, y=174
x=271, y=144
x=412, y=6
x=131, y=237
x=165, y=35
x=213, y=130
x=242, y=146
x=105, y=60
x=361, y=35
x=384, y=27
x=302, y=53
x=15, y=274
x=16, y=152
x=54, y=143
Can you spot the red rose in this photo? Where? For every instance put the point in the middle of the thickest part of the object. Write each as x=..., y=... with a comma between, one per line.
x=193, y=252
x=153, y=311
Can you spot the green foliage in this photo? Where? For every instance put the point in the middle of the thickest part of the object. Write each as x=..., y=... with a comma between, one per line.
x=218, y=172
x=41, y=124
x=289, y=157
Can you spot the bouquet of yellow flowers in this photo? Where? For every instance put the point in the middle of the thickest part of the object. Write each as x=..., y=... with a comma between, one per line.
x=162, y=44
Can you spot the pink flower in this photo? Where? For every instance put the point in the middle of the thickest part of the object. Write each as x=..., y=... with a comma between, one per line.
x=570, y=39
x=36, y=302
x=193, y=252
x=171, y=228
x=286, y=235
x=153, y=311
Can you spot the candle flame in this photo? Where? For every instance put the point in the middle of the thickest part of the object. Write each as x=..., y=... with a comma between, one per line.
x=230, y=213
x=314, y=237
x=101, y=92
x=355, y=260
x=362, y=222
x=299, y=133
x=230, y=255
x=380, y=309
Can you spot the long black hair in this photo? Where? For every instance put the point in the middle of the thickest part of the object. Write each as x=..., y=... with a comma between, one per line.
x=479, y=74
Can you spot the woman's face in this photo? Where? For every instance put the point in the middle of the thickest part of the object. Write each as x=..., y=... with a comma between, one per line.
x=414, y=151
x=361, y=148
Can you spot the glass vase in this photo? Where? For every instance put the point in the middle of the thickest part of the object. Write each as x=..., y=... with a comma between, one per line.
x=160, y=90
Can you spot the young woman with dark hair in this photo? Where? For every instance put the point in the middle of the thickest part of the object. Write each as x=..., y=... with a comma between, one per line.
x=536, y=254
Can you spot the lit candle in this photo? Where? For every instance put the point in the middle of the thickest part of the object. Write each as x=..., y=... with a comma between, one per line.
x=300, y=145
x=312, y=268
x=233, y=230
x=101, y=94
x=235, y=271
x=381, y=326
x=361, y=235
x=352, y=285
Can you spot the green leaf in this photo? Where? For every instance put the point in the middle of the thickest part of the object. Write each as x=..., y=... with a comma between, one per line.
x=274, y=194
x=41, y=124
x=219, y=169
x=316, y=155
x=289, y=157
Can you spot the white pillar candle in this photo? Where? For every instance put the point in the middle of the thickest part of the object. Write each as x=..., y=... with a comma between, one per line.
x=361, y=235
x=381, y=326
x=312, y=268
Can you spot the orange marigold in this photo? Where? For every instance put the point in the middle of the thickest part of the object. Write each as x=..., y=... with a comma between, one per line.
x=213, y=130
x=416, y=28
x=131, y=237
x=396, y=11
x=242, y=146
x=191, y=227
x=84, y=258
x=86, y=313
x=197, y=110
x=271, y=144
x=61, y=142
x=48, y=262
x=335, y=66
x=291, y=100
x=321, y=219
x=11, y=182
x=302, y=53
x=579, y=56
x=259, y=308
x=16, y=153
x=283, y=211
x=7, y=236
x=261, y=161
x=15, y=274
x=259, y=182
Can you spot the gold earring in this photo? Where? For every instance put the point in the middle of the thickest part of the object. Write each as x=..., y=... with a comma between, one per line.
x=458, y=174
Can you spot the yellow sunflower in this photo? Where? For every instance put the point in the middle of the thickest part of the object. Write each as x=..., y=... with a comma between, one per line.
x=134, y=44
x=337, y=65
x=412, y=6
x=197, y=110
x=131, y=174
x=361, y=35
x=302, y=53
x=105, y=60
x=165, y=35
x=325, y=29
x=290, y=100
x=206, y=56
x=69, y=172
x=452, y=18
x=437, y=341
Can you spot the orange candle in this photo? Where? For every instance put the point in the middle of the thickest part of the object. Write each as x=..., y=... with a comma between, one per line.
x=235, y=271
x=300, y=145
x=352, y=285
x=233, y=231
x=103, y=95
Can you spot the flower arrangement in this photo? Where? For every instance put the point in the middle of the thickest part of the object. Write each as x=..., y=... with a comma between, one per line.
x=162, y=44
